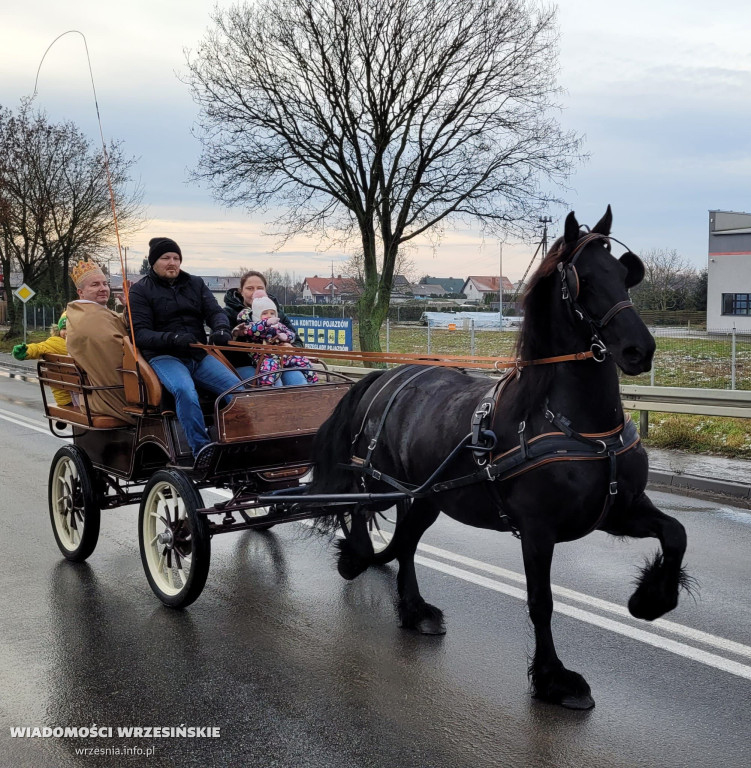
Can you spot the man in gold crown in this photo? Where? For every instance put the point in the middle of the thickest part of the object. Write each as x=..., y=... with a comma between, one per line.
x=95, y=338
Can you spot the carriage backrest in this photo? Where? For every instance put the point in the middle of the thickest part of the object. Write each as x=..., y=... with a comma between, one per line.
x=61, y=372
x=142, y=385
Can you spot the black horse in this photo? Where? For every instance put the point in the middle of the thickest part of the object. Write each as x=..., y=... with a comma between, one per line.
x=546, y=454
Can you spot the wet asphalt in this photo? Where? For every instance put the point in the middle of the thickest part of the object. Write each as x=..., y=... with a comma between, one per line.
x=297, y=667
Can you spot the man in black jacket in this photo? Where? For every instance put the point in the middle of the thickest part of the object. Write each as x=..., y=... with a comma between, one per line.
x=169, y=309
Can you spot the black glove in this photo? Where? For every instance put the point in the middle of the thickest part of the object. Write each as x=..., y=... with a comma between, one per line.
x=183, y=341
x=222, y=337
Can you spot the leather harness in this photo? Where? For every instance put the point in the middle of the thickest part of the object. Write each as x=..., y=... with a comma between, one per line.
x=565, y=444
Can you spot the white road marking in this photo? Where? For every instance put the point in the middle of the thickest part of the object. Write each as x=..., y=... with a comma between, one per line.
x=635, y=633
x=24, y=422
x=730, y=646
x=649, y=638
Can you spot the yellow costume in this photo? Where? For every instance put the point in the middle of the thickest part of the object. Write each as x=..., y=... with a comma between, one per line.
x=55, y=345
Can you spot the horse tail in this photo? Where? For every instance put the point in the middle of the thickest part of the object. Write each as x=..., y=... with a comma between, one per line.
x=332, y=444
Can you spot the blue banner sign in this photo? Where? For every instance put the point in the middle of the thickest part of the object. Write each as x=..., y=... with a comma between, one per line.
x=324, y=332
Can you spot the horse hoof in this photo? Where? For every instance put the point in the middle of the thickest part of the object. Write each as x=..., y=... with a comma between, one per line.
x=430, y=627
x=578, y=702
x=649, y=608
x=349, y=564
x=422, y=617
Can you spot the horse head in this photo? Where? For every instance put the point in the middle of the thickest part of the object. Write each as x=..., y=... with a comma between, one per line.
x=595, y=285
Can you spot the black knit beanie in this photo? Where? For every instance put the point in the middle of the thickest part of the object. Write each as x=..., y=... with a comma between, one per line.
x=158, y=246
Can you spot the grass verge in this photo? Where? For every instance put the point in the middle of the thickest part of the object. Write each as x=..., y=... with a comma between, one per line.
x=699, y=434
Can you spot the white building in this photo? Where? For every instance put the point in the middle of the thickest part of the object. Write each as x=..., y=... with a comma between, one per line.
x=476, y=287
x=729, y=271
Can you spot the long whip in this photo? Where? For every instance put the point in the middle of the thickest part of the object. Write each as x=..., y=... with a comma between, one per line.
x=123, y=265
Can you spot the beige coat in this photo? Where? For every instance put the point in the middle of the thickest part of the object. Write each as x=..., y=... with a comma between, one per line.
x=95, y=342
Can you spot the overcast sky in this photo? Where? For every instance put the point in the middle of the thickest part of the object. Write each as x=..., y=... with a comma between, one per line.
x=660, y=90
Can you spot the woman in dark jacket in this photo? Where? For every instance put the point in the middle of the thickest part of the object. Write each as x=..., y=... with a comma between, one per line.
x=237, y=299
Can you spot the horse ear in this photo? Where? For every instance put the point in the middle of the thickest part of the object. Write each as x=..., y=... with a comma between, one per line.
x=635, y=267
x=571, y=230
x=603, y=225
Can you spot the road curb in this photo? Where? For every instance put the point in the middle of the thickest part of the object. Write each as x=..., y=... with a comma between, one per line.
x=700, y=486
x=9, y=373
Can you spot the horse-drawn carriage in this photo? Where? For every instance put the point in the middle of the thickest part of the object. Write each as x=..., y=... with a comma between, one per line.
x=544, y=452
x=261, y=444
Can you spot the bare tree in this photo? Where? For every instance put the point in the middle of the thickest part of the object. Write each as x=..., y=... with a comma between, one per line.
x=354, y=267
x=281, y=285
x=54, y=200
x=669, y=280
x=380, y=120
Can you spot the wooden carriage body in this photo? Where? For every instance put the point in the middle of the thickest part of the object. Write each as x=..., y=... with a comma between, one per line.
x=263, y=433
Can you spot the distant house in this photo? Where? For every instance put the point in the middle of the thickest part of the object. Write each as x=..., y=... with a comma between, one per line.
x=477, y=287
x=427, y=290
x=401, y=289
x=327, y=290
x=449, y=284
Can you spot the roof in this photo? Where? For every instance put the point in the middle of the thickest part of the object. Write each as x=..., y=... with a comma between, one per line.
x=322, y=286
x=449, y=284
x=488, y=283
x=428, y=289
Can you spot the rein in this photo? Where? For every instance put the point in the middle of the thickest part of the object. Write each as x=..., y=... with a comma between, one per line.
x=442, y=361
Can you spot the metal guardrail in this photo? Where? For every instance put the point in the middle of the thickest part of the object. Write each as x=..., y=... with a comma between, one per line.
x=705, y=402
x=690, y=400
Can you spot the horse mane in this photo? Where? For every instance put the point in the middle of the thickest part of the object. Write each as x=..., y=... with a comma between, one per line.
x=534, y=337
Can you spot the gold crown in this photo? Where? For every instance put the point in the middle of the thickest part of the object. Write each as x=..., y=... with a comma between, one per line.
x=81, y=269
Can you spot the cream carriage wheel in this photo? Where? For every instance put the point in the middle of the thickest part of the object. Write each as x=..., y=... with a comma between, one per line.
x=74, y=511
x=174, y=539
x=380, y=525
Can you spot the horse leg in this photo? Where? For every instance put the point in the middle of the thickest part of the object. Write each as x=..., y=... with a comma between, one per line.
x=414, y=612
x=356, y=549
x=662, y=579
x=550, y=680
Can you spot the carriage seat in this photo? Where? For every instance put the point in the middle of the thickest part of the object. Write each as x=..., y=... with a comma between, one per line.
x=72, y=415
x=62, y=372
x=143, y=391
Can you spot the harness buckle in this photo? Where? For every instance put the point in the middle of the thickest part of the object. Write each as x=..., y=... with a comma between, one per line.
x=373, y=443
x=488, y=473
x=522, y=427
x=376, y=474
x=614, y=488
x=483, y=409
x=599, y=350
x=604, y=447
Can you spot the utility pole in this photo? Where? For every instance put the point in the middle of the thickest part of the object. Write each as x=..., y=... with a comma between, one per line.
x=500, y=285
x=545, y=220
x=332, y=281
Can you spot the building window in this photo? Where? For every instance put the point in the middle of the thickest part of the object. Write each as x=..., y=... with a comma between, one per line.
x=736, y=303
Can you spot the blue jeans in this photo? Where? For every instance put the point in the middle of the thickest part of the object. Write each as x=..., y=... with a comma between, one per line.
x=291, y=377
x=180, y=378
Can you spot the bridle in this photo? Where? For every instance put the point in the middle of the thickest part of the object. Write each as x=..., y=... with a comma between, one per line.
x=570, y=293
